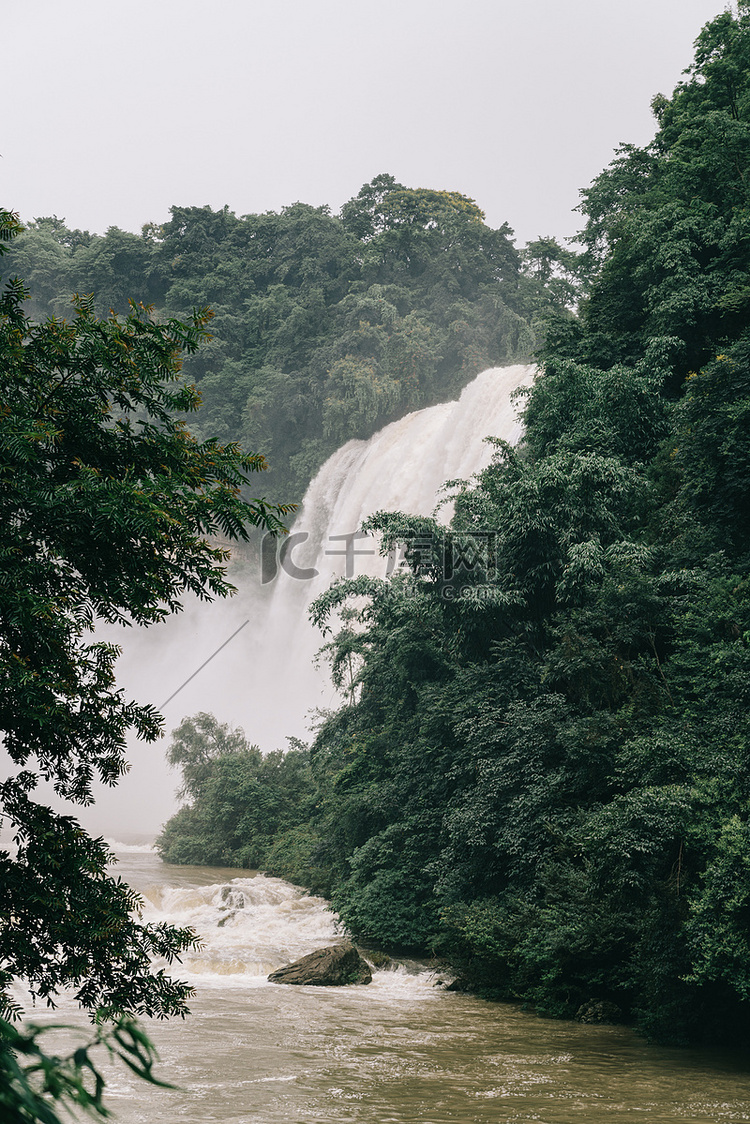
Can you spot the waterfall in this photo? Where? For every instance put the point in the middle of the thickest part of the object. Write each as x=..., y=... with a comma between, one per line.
x=265, y=679
x=401, y=468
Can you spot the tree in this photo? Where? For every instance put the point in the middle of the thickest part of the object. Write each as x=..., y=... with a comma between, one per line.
x=109, y=509
x=666, y=227
x=410, y=283
x=34, y=1085
x=196, y=744
x=240, y=802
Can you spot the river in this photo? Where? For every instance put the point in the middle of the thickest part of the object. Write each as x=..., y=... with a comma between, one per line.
x=397, y=1051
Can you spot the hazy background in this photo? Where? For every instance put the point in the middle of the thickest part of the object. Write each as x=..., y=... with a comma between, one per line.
x=116, y=111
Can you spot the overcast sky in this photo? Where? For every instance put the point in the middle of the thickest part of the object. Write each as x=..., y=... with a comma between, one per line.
x=116, y=111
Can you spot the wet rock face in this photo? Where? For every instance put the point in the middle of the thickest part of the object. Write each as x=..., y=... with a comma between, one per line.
x=326, y=967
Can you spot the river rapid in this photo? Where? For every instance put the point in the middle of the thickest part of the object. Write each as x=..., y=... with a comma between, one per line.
x=397, y=1051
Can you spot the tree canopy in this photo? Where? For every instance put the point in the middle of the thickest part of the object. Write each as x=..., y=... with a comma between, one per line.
x=325, y=327
x=241, y=804
x=109, y=510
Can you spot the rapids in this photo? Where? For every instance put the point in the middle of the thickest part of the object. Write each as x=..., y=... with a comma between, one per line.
x=398, y=1051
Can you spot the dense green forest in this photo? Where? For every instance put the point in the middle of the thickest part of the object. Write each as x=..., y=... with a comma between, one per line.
x=325, y=327
x=541, y=768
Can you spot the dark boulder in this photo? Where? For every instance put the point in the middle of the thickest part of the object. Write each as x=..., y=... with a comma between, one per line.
x=599, y=1011
x=326, y=967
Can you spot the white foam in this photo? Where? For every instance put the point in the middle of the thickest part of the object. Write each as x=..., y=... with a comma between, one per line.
x=248, y=926
x=121, y=848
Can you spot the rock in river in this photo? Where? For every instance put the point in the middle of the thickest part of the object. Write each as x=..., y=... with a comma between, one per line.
x=326, y=967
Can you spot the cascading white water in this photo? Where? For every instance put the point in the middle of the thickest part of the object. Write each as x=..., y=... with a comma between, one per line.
x=249, y=926
x=403, y=467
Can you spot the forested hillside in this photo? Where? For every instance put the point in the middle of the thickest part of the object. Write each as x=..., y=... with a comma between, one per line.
x=541, y=767
x=325, y=327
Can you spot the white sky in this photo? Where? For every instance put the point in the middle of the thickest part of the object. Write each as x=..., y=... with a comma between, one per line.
x=115, y=111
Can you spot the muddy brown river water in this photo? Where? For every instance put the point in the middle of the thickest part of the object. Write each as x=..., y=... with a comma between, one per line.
x=397, y=1051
